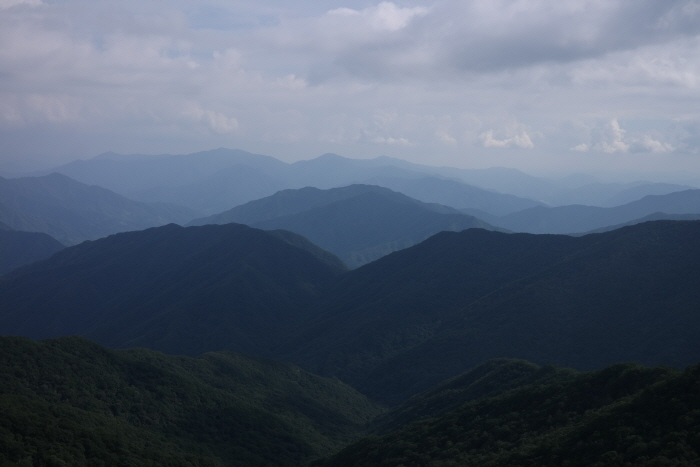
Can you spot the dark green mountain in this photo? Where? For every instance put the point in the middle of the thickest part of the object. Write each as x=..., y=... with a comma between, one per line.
x=358, y=223
x=175, y=289
x=72, y=212
x=71, y=402
x=579, y=219
x=20, y=248
x=402, y=324
x=618, y=416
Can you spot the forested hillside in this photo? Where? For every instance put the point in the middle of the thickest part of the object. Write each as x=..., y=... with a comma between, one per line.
x=71, y=402
x=618, y=416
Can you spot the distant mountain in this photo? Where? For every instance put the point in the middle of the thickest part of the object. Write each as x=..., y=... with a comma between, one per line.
x=358, y=223
x=216, y=180
x=401, y=324
x=621, y=415
x=20, y=248
x=179, y=290
x=657, y=216
x=577, y=219
x=640, y=190
x=71, y=211
x=228, y=187
x=132, y=174
x=455, y=194
x=71, y=402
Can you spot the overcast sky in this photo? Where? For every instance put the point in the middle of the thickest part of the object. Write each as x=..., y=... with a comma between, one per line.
x=538, y=85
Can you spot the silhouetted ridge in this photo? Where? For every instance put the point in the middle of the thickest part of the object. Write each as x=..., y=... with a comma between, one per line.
x=182, y=290
x=401, y=324
x=358, y=223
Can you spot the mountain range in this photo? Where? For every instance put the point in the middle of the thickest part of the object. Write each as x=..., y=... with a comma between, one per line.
x=392, y=328
x=20, y=248
x=216, y=180
x=338, y=312
x=358, y=223
x=71, y=211
x=580, y=219
x=174, y=289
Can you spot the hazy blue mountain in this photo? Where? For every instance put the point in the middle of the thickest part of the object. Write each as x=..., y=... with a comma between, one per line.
x=71, y=211
x=175, y=289
x=228, y=187
x=20, y=248
x=611, y=194
x=332, y=170
x=455, y=194
x=640, y=190
x=132, y=174
x=401, y=324
x=577, y=218
x=358, y=223
x=657, y=216
x=212, y=181
x=71, y=402
x=621, y=415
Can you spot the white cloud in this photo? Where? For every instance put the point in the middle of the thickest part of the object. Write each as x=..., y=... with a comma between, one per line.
x=5, y=4
x=609, y=137
x=357, y=77
x=512, y=134
x=386, y=16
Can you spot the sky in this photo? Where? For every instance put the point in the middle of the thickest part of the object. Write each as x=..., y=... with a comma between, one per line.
x=599, y=86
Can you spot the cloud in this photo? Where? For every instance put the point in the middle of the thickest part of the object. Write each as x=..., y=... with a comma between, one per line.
x=5, y=4
x=426, y=80
x=386, y=16
x=609, y=137
x=511, y=135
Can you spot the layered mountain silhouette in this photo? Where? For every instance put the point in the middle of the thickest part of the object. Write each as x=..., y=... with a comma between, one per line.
x=20, y=248
x=401, y=324
x=579, y=219
x=175, y=289
x=455, y=194
x=71, y=211
x=392, y=328
x=358, y=223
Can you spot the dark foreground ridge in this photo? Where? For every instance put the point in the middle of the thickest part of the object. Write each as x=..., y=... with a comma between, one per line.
x=622, y=415
x=391, y=329
x=71, y=402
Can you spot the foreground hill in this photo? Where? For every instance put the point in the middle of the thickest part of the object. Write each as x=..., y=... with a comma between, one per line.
x=71, y=402
x=619, y=416
x=20, y=248
x=71, y=211
x=358, y=223
x=180, y=290
x=401, y=324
